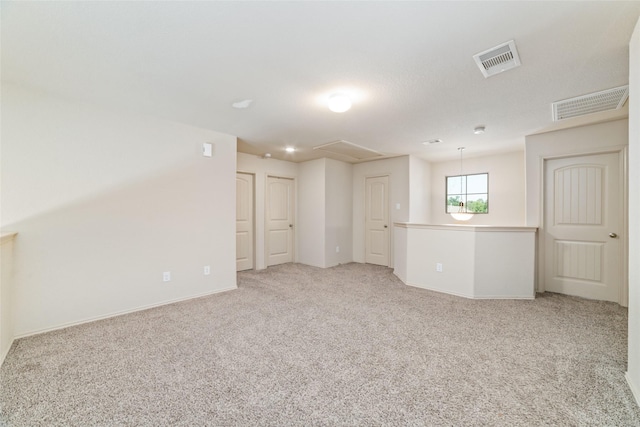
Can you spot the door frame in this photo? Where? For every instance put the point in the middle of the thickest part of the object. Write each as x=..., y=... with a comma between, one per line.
x=622, y=151
x=294, y=247
x=253, y=218
x=389, y=211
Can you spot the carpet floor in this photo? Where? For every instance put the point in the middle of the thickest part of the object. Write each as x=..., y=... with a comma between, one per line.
x=349, y=345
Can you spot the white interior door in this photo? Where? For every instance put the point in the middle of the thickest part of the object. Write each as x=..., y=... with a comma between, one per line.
x=244, y=221
x=377, y=220
x=583, y=221
x=280, y=208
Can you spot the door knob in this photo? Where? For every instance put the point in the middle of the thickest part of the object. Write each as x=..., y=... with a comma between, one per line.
x=290, y=225
x=385, y=226
x=613, y=235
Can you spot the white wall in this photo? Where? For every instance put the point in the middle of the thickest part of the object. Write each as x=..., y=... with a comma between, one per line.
x=506, y=188
x=475, y=262
x=324, y=207
x=633, y=367
x=104, y=203
x=338, y=212
x=419, y=190
x=262, y=168
x=398, y=170
x=311, y=213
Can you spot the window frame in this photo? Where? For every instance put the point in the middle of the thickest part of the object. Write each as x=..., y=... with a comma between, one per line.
x=466, y=193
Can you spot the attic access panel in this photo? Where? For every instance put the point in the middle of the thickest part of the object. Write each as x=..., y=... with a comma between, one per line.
x=349, y=149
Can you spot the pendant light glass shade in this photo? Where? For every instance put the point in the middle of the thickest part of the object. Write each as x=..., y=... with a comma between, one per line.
x=462, y=214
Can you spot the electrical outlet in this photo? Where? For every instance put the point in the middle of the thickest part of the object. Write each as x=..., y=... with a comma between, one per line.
x=439, y=267
x=337, y=249
x=166, y=276
x=207, y=270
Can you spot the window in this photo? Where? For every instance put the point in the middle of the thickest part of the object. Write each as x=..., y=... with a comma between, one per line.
x=472, y=190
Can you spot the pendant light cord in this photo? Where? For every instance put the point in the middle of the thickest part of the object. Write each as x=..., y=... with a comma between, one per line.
x=461, y=207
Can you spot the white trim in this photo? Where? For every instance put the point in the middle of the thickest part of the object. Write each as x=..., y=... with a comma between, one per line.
x=466, y=227
x=440, y=291
x=120, y=313
x=7, y=236
x=511, y=297
x=624, y=177
x=634, y=390
x=457, y=294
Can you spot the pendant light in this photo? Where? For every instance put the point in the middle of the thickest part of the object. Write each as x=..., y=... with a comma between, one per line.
x=462, y=214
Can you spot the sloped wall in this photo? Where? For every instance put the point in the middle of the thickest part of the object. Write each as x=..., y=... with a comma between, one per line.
x=104, y=203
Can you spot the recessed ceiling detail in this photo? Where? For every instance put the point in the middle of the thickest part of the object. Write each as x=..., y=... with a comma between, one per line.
x=349, y=149
x=610, y=99
x=498, y=59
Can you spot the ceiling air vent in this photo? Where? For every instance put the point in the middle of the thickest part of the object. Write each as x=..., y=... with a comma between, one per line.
x=498, y=59
x=432, y=141
x=349, y=149
x=610, y=99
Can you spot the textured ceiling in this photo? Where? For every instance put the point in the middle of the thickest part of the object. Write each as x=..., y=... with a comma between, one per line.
x=408, y=65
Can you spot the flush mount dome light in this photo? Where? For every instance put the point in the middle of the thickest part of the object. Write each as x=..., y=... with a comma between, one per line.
x=241, y=105
x=339, y=103
x=290, y=149
x=479, y=130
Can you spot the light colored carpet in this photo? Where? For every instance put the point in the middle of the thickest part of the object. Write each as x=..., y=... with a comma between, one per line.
x=350, y=345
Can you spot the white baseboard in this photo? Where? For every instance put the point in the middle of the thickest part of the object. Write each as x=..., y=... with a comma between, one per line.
x=522, y=297
x=634, y=389
x=4, y=354
x=119, y=313
x=457, y=294
x=402, y=279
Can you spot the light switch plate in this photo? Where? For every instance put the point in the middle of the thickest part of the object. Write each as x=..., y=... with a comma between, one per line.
x=207, y=149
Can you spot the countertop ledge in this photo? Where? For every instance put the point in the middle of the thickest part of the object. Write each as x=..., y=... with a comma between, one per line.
x=7, y=236
x=466, y=227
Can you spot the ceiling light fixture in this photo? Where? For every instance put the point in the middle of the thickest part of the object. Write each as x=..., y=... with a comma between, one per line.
x=289, y=149
x=462, y=214
x=240, y=105
x=339, y=103
x=479, y=130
